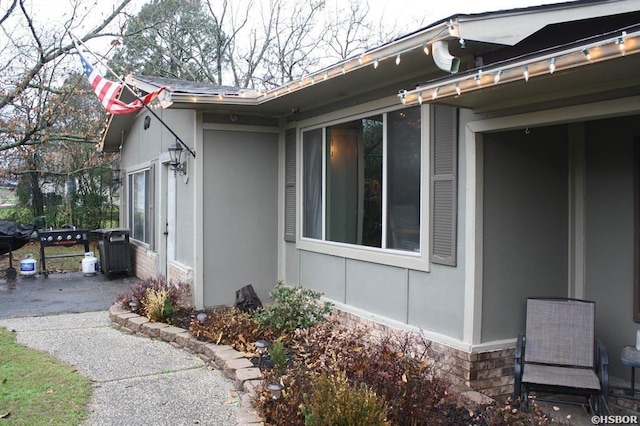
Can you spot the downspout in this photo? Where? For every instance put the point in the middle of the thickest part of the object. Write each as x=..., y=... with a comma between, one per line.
x=443, y=59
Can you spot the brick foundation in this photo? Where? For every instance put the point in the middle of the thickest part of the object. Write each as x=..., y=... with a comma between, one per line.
x=182, y=274
x=143, y=262
x=490, y=373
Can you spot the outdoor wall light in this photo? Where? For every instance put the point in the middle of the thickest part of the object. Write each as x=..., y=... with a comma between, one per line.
x=115, y=174
x=201, y=317
x=276, y=390
x=133, y=305
x=175, y=154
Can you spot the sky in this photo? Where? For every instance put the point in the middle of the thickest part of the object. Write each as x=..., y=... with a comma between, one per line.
x=409, y=11
x=408, y=15
x=432, y=11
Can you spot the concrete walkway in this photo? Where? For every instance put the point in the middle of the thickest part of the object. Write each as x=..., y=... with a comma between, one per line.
x=137, y=380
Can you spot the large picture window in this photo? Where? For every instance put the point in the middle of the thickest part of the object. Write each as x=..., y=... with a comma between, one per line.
x=139, y=206
x=362, y=181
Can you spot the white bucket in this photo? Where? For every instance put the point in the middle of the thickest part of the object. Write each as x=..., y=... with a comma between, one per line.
x=89, y=264
x=28, y=265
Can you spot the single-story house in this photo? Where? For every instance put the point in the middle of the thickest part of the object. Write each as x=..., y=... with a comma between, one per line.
x=432, y=183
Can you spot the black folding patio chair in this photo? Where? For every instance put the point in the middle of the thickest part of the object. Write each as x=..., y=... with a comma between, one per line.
x=558, y=353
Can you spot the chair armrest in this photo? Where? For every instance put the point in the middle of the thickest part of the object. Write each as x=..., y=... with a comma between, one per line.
x=518, y=370
x=520, y=346
x=602, y=366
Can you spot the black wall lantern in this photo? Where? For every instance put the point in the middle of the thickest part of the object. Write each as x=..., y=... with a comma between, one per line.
x=115, y=174
x=176, y=163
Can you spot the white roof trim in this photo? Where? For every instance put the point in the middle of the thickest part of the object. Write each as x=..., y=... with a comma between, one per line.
x=510, y=28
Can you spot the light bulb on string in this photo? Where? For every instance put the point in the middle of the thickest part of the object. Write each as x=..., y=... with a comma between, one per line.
x=525, y=73
x=552, y=65
x=620, y=43
x=398, y=59
x=425, y=49
x=496, y=78
x=458, y=90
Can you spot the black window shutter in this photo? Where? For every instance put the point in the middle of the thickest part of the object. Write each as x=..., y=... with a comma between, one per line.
x=444, y=184
x=290, y=186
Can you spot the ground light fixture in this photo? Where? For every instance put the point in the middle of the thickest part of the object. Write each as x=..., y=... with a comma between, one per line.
x=201, y=317
x=133, y=305
x=261, y=347
x=276, y=390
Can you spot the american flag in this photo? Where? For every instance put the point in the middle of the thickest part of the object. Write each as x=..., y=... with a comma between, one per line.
x=108, y=91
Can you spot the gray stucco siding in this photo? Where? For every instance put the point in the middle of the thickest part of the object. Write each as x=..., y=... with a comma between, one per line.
x=377, y=288
x=525, y=225
x=609, y=221
x=432, y=301
x=146, y=145
x=184, y=219
x=323, y=273
x=436, y=300
x=241, y=214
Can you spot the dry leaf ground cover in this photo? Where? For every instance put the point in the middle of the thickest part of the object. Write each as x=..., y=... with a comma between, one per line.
x=331, y=374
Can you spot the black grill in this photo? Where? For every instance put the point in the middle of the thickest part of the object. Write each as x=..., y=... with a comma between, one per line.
x=61, y=237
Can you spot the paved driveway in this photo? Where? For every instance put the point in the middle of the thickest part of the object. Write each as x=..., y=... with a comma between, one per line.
x=136, y=380
x=59, y=293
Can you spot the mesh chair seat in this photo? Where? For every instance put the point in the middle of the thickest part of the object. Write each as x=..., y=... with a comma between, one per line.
x=581, y=378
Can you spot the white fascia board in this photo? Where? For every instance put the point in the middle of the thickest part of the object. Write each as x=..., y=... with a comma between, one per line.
x=509, y=28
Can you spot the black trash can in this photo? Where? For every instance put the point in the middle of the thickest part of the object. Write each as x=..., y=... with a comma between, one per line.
x=115, y=251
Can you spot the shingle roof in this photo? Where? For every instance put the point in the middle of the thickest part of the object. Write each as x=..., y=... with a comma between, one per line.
x=190, y=87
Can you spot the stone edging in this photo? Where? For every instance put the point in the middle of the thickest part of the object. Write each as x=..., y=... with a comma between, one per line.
x=232, y=363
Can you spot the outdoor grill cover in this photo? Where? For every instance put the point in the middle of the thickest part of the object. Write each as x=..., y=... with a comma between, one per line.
x=14, y=235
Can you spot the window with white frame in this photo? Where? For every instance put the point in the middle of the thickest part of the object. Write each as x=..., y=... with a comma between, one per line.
x=140, y=217
x=362, y=181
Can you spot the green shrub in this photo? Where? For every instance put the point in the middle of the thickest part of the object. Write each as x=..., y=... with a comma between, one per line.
x=278, y=355
x=334, y=402
x=293, y=308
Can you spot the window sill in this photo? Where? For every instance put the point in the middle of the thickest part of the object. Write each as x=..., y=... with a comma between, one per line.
x=397, y=258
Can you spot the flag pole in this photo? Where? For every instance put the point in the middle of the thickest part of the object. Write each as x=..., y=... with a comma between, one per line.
x=74, y=38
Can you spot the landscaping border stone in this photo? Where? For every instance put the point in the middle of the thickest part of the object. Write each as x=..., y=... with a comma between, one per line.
x=233, y=364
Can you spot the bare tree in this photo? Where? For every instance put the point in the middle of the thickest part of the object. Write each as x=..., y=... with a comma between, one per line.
x=39, y=124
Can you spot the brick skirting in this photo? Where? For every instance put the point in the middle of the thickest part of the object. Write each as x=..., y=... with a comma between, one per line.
x=490, y=373
x=143, y=262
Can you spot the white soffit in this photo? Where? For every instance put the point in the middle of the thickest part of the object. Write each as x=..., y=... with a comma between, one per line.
x=509, y=28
